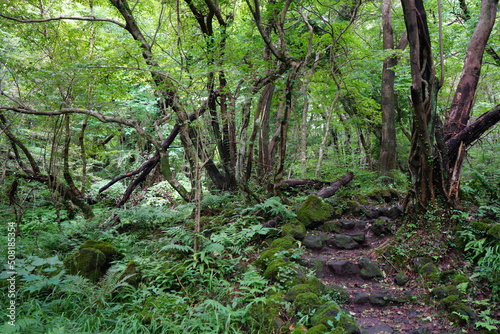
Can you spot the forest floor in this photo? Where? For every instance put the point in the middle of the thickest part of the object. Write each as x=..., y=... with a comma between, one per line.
x=378, y=305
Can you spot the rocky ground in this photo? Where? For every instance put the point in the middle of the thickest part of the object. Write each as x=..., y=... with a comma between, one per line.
x=381, y=299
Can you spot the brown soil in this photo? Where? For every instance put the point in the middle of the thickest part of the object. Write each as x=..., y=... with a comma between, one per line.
x=412, y=316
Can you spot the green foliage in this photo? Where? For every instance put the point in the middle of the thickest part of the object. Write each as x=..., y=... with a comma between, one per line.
x=272, y=207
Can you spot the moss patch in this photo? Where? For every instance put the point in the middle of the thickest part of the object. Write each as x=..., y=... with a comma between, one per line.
x=92, y=260
x=314, y=211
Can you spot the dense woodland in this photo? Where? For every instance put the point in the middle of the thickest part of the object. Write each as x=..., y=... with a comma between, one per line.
x=187, y=134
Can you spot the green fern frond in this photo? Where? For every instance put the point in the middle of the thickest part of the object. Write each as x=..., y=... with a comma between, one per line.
x=177, y=248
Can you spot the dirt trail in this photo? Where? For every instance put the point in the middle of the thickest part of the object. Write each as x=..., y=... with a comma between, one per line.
x=378, y=304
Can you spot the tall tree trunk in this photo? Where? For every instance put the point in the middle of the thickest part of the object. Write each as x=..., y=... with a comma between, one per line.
x=388, y=136
x=423, y=94
x=461, y=106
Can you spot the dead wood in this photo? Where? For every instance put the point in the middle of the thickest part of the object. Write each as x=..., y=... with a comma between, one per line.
x=326, y=192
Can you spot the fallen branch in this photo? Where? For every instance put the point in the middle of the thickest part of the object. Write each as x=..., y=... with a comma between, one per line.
x=332, y=189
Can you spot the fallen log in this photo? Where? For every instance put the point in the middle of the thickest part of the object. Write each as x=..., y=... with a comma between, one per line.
x=290, y=183
x=326, y=192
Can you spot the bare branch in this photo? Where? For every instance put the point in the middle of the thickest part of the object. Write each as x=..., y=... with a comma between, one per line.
x=73, y=18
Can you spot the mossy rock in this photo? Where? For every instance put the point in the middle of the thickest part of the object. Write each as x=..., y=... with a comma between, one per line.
x=306, y=302
x=299, y=330
x=353, y=208
x=295, y=230
x=280, y=245
x=316, y=285
x=480, y=226
x=131, y=274
x=383, y=195
x=266, y=314
x=494, y=231
x=441, y=292
x=429, y=271
x=447, y=302
x=381, y=227
x=315, y=241
x=458, y=278
x=338, y=294
x=401, y=278
x=284, y=243
x=331, y=314
x=296, y=290
x=331, y=226
x=314, y=211
x=92, y=260
x=369, y=269
x=319, y=329
x=462, y=314
x=285, y=272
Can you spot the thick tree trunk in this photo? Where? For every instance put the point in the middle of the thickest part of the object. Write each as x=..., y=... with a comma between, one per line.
x=423, y=170
x=387, y=161
x=461, y=106
x=436, y=159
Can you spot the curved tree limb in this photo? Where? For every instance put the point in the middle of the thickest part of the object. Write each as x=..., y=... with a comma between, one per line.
x=74, y=18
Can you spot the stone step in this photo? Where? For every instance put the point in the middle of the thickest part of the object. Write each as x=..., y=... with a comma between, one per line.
x=317, y=241
x=380, y=298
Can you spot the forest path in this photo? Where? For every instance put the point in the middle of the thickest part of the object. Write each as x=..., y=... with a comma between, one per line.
x=376, y=302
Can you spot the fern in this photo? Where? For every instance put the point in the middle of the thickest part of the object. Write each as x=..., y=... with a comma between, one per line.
x=177, y=248
x=274, y=207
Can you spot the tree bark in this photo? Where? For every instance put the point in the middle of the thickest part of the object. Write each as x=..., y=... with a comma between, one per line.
x=461, y=106
x=387, y=160
x=335, y=186
x=423, y=94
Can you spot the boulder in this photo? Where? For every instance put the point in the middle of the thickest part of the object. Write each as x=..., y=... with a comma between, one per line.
x=369, y=269
x=314, y=211
x=296, y=231
x=314, y=241
x=92, y=259
x=342, y=241
x=381, y=227
x=343, y=267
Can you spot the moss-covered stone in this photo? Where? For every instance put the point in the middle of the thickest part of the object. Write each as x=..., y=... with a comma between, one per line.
x=285, y=272
x=462, y=314
x=306, y=302
x=381, y=227
x=266, y=314
x=295, y=230
x=458, y=278
x=441, y=292
x=314, y=211
x=319, y=329
x=283, y=243
x=383, y=195
x=429, y=271
x=299, y=330
x=353, y=208
x=480, y=226
x=494, y=232
x=401, y=278
x=92, y=260
x=296, y=290
x=314, y=241
x=131, y=274
x=331, y=314
x=331, y=226
x=343, y=241
x=280, y=245
x=369, y=269
x=338, y=294
x=316, y=285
